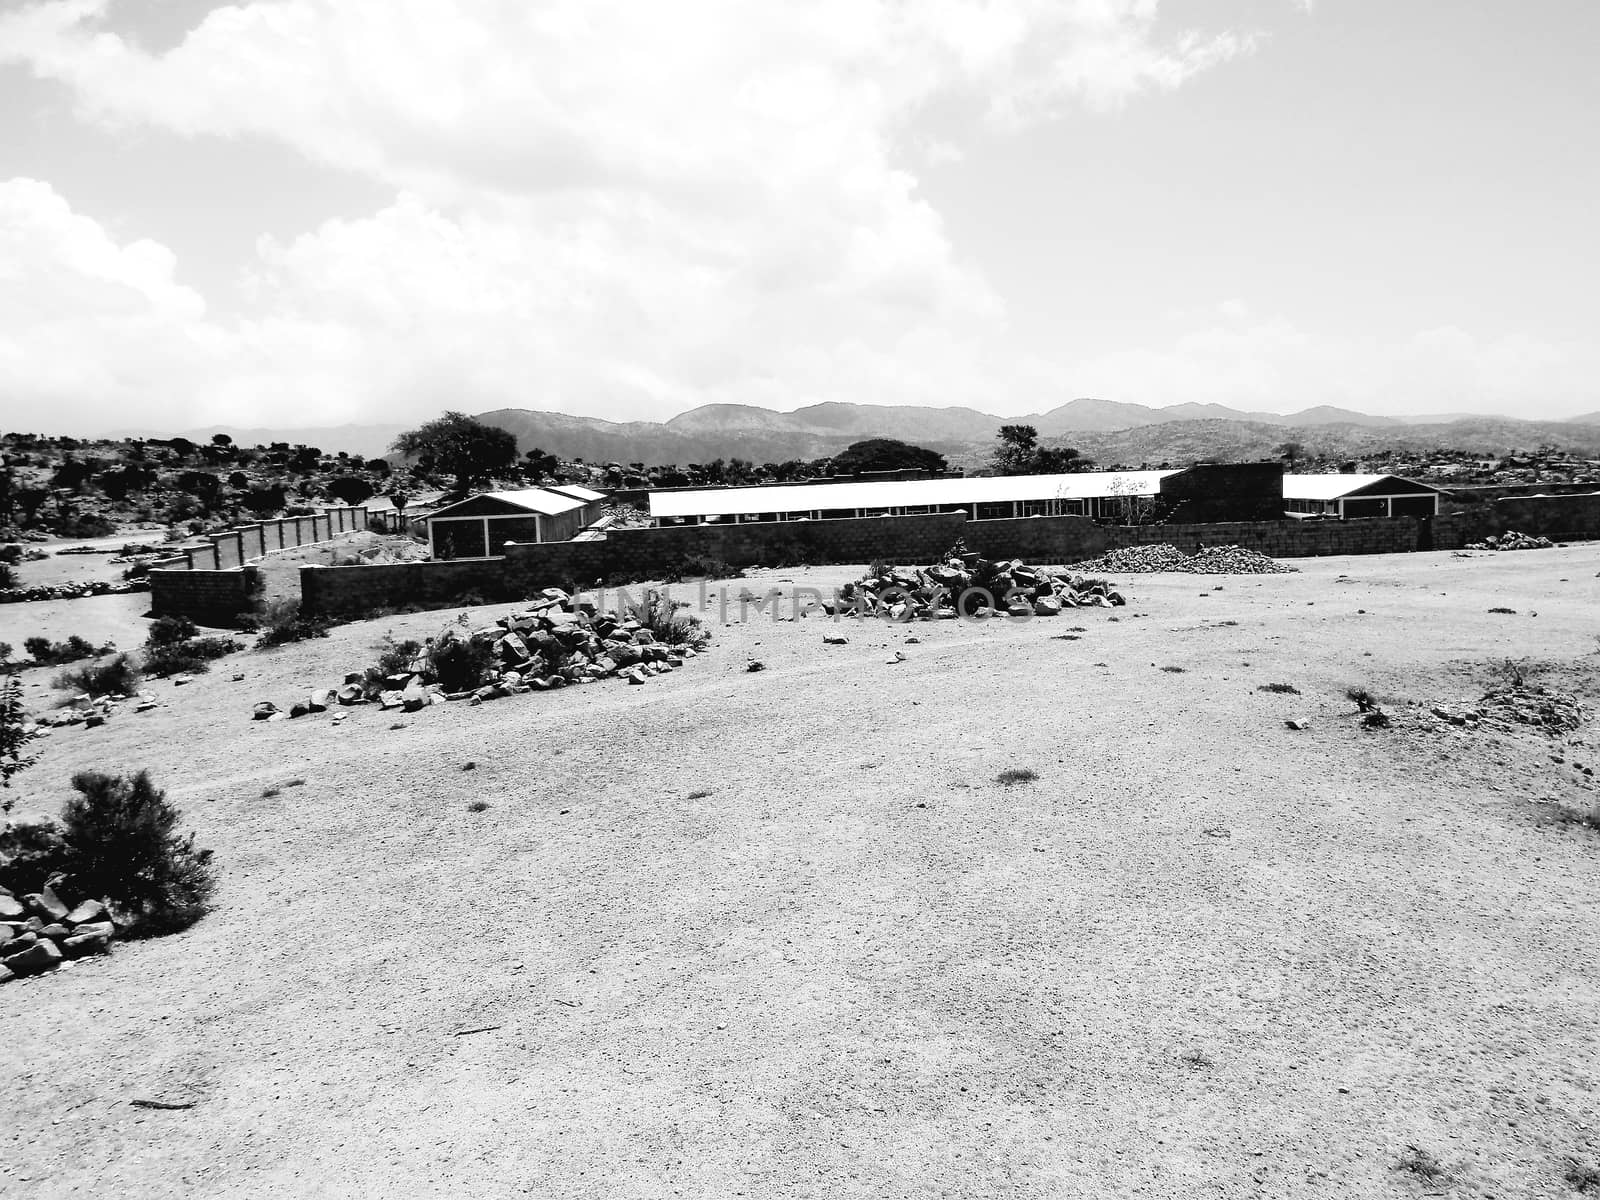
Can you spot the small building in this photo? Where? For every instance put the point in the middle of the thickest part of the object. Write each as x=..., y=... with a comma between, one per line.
x=1346, y=496
x=480, y=526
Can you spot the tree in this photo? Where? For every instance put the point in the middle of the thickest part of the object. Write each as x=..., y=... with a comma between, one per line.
x=881, y=454
x=1019, y=453
x=461, y=445
x=350, y=490
x=221, y=439
x=1291, y=452
x=16, y=731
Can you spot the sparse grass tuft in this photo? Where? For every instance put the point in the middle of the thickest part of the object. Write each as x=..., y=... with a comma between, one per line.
x=478, y=806
x=1015, y=775
x=270, y=792
x=1422, y=1164
x=1582, y=1177
x=469, y=765
x=1282, y=689
x=1197, y=1060
x=1361, y=698
x=1175, y=670
x=1376, y=719
x=1576, y=816
x=1500, y=608
x=699, y=795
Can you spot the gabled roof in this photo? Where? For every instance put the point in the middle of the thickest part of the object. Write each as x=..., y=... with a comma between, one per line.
x=904, y=493
x=1337, y=486
x=541, y=501
x=587, y=495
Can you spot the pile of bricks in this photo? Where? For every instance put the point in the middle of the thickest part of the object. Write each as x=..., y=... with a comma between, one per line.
x=967, y=584
x=1511, y=540
x=556, y=642
x=1207, y=560
x=39, y=931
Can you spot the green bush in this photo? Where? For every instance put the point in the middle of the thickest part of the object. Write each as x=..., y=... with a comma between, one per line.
x=282, y=622
x=394, y=658
x=164, y=631
x=123, y=847
x=47, y=653
x=190, y=657
x=667, y=622
x=118, y=677
x=460, y=663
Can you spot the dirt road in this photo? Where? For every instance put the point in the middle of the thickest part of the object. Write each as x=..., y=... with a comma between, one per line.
x=782, y=934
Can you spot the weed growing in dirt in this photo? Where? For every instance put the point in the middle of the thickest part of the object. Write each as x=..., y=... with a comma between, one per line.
x=270, y=792
x=1361, y=698
x=701, y=795
x=1175, y=670
x=478, y=806
x=1198, y=1060
x=1582, y=1177
x=1422, y=1164
x=1576, y=816
x=667, y=623
x=1281, y=689
x=282, y=622
x=118, y=677
x=123, y=845
x=1376, y=719
x=1510, y=612
x=1015, y=775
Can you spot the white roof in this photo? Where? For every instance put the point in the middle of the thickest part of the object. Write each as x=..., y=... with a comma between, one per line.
x=573, y=489
x=538, y=500
x=1333, y=486
x=904, y=493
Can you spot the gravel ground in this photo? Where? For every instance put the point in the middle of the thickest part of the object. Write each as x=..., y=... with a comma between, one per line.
x=783, y=934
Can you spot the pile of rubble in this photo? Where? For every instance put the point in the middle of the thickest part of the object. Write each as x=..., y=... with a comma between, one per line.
x=978, y=586
x=1208, y=560
x=38, y=931
x=556, y=642
x=72, y=591
x=95, y=711
x=1511, y=540
x=1552, y=713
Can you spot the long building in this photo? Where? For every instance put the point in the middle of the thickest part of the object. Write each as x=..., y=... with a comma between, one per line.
x=1084, y=493
x=1346, y=496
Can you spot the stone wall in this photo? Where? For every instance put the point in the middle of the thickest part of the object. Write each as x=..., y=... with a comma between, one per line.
x=209, y=597
x=1287, y=538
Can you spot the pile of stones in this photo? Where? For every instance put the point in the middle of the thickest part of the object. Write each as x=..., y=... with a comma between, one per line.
x=1511, y=540
x=94, y=711
x=72, y=591
x=967, y=583
x=1553, y=713
x=1208, y=560
x=39, y=931
x=556, y=642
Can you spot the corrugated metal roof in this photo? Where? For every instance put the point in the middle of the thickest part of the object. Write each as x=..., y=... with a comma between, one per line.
x=536, y=500
x=904, y=493
x=587, y=495
x=1334, y=486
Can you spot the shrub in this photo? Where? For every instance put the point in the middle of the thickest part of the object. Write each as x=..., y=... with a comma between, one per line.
x=460, y=663
x=47, y=653
x=394, y=658
x=15, y=735
x=139, y=570
x=118, y=677
x=32, y=849
x=282, y=622
x=165, y=631
x=698, y=566
x=667, y=622
x=8, y=575
x=123, y=846
x=1283, y=689
x=189, y=657
x=1015, y=775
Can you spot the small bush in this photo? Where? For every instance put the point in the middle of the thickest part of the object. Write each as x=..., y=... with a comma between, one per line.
x=282, y=622
x=117, y=677
x=460, y=663
x=1012, y=776
x=124, y=847
x=165, y=631
x=1175, y=670
x=188, y=658
x=1282, y=689
x=8, y=575
x=700, y=566
x=394, y=658
x=667, y=623
x=1510, y=612
x=31, y=851
x=47, y=653
x=1375, y=719
x=478, y=806
x=1423, y=1165
x=1362, y=699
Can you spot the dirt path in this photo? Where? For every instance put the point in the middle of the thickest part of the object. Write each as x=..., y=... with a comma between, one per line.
x=782, y=934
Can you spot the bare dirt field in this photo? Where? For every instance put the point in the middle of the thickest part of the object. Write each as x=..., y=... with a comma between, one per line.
x=783, y=934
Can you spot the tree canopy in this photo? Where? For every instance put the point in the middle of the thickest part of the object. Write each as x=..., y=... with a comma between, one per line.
x=1019, y=453
x=884, y=454
x=461, y=446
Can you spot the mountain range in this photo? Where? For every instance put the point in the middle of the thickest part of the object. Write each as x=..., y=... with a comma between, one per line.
x=1107, y=430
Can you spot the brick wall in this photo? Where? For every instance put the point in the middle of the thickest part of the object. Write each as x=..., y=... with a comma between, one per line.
x=210, y=597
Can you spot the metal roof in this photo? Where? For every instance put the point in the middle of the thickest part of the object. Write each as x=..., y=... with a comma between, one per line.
x=588, y=495
x=1335, y=486
x=535, y=500
x=904, y=493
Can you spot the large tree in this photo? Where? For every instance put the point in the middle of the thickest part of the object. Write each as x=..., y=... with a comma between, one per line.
x=1019, y=453
x=462, y=446
x=884, y=454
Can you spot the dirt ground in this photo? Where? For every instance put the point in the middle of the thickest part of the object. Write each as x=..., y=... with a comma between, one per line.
x=783, y=934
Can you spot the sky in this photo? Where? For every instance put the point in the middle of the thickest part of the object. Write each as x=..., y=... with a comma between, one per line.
x=313, y=212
